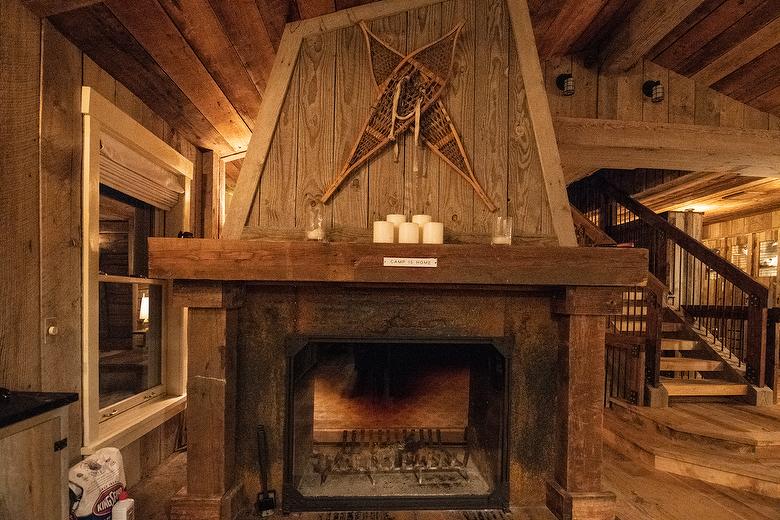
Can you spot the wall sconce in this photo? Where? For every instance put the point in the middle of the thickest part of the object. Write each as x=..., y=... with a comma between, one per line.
x=143, y=312
x=654, y=90
x=565, y=83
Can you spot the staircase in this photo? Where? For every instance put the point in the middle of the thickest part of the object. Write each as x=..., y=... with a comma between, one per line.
x=700, y=331
x=690, y=366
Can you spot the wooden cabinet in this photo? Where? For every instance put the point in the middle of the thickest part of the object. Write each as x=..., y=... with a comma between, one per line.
x=34, y=468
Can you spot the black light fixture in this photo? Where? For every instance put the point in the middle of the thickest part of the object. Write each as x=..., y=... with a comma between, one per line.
x=565, y=83
x=654, y=90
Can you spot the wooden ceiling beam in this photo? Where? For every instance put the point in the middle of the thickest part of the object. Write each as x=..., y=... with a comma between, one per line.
x=644, y=28
x=251, y=37
x=604, y=143
x=275, y=14
x=741, y=54
x=314, y=8
x=46, y=8
x=98, y=33
x=199, y=25
x=568, y=25
x=148, y=22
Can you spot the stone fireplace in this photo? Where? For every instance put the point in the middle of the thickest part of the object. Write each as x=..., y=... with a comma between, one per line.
x=373, y=384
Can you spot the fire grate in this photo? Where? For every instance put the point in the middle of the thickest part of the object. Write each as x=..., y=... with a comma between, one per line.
x=420, y=451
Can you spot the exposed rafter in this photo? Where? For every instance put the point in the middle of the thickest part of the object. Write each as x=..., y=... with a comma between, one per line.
x=151, y=25
x=568, y=25
x=44, y=8
x=645, y=27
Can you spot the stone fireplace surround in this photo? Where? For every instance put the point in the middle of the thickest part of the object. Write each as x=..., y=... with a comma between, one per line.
x=239, y=327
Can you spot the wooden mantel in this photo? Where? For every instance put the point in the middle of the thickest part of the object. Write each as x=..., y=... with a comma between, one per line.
x=458, y=264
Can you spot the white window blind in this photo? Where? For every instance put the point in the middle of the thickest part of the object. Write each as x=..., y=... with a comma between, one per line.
x=125, y=170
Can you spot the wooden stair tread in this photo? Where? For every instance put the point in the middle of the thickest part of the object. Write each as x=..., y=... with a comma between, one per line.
x=679, y=344
x=703, y=387
x=680, y=457
x=671, y=327
x=690, y=364
x=677, y=419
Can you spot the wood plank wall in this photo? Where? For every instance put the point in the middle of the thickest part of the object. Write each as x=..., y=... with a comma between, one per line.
x=328, y=102
x=40, y=210
x=619, y=96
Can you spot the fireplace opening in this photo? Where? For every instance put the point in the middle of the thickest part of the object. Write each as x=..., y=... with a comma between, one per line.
x=397, y=424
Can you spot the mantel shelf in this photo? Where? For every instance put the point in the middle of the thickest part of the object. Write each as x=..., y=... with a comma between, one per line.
x=343, y=262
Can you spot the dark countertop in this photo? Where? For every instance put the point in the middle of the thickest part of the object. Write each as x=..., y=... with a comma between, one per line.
x=18, y=406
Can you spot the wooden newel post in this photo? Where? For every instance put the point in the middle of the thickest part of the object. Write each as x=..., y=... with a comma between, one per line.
x=211, y=493
x=575, y=492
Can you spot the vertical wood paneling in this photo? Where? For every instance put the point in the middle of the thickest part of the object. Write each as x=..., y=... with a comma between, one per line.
x=756, y=119
x=94, y=76
x=527, y=199
x=707, y=107
x=455, y=195
x=385, y=175
x=586, y=80
x=732, y=112
x=655, y=112
x=607, y=93
x=276, y=200
x=421, y=188
x=682, y=99
x=355, y=91
x=61, y=219
x=315, y=129
x=491, y=109
x=629, y=94
x=20, y=328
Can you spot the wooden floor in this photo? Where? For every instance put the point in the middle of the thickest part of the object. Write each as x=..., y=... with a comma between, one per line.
x=648, y=494
x=643, y=494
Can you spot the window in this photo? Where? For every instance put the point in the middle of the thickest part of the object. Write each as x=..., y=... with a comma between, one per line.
x=739, y=252
x=130, y=318
x=767, y=258
x=134, y=344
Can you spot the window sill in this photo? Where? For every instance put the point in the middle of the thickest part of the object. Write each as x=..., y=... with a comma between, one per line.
x=131, y=425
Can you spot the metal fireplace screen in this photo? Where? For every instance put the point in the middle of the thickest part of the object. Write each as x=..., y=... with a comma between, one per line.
x=396, y=424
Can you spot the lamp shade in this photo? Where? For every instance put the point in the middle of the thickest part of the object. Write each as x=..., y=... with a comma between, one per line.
x=143, y=313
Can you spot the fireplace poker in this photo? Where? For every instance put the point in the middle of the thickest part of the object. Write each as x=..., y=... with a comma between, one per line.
x=266, y=500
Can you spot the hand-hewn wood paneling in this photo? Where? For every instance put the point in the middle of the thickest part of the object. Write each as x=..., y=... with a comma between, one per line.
x=316, y=112
x=335, y=92
x=353, y=97
x=455, y=195
x=20, y=354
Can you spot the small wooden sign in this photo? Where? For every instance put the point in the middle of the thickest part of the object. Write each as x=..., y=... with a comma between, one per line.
x=411, y=262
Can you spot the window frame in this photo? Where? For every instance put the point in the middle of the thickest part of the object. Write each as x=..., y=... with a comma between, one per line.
x=147, y=409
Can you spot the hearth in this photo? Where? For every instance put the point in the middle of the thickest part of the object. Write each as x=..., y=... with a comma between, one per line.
x=397, y=424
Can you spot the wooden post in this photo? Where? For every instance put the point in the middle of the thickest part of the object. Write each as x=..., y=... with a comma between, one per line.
x=575, y=492
x=755, y=369
x=211, y=493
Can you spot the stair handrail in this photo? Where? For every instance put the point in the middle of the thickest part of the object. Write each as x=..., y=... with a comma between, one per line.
x=753, y=349
x=723, y=267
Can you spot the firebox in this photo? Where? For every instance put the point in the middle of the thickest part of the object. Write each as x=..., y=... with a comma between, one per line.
x=392, y=424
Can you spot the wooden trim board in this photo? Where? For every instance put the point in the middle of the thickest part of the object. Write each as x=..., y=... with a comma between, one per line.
x=541, y=122
x=120, y=125
x=609, y=143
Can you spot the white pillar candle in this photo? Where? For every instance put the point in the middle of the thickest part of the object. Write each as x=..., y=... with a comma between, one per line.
x=408, y=233
x=383, y=232
x=433, y=233
x=421, y=220
x=316, y=234
x=396, y=219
